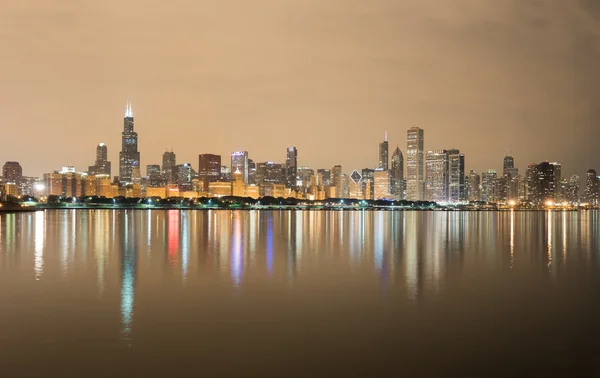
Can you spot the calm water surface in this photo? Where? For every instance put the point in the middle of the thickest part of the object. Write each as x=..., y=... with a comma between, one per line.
x=247, y=293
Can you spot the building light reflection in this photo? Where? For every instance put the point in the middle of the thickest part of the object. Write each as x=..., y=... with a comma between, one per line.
x=40, y=237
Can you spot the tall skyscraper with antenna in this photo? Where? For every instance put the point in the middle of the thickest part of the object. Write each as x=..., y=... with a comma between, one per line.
x=129, y=157
x=383, y=154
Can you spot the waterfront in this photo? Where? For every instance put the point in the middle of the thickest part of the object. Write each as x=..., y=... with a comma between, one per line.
x=343, y=293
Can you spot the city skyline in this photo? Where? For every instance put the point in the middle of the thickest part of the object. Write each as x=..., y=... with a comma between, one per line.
x=473, y=79
x=129, y=137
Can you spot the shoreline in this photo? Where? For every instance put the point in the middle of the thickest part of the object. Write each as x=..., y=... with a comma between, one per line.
x=270, y=208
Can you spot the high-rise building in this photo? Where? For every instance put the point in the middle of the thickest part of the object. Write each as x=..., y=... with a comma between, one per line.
x=239, y=162
x=397, y=175
x=101, y=165
x=437, y=176
x=184, y=177
x=237, y=186
x=415, y=167
x=12, y=174
x=355, y=186
x=226, y=175
x=129, y=157
x=305, y=177
x=291, y=167
x=456, y=176
x=570, y=191
x=345, y=186
x=169, y=167
x=474, y=184
x=383, y=153
x=153, y=176
x=548, y=179
x=251, y=172
x=209, y=169
x=368, y=180
x=531, y=184
x=592, y=187
x=267, y=175
x=509, y=167
x=336, y=180
x=381, y=179
x=325, y=176
x=488, y=186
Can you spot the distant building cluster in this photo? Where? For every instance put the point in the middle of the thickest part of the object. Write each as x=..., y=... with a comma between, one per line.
x=434, y=175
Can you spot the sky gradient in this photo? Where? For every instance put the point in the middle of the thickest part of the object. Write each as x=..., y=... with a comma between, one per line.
x=328, y=76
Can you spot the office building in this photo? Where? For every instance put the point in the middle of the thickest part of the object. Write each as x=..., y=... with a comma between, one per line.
x=415, y=164
x=336, y=180
x=238, y=186
x=381, y=180
x=154, y=176
x=437, y=176
x=169, y=167
x=209, y=169
x=509, y=167
x=268, y=174
x=397, y=175
x=548, y=179
x=239, y=162
x=12, y=173
x=129, y=157
x=291, y=167
x=324, y=177
x=383, y=154
x=184, y=177
x=368, y=180
x=592, y=188
x=456, y=176
x=251, y=172
x=474, y=183
x=531, y=183
x=101, y=165
x=488, y=186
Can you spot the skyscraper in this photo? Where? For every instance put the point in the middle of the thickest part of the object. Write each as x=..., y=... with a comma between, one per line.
x=509, y=167
x=488, y=186
x=548, y=178
x=415, y=167
x=291, y=167
x=101, y=165
x=383, y=153
x=169, y=167
x=336, y=180
x=531, y=183
x=325, y=176
x=251, y=172
x=381, y=180
x=209, y=169
x=456, y=176
x=368, y=180
x=397, y=175
x=12, y=174
x=153, y=175
x=437, y=176
x=591, y=187
x=184, y=177
x=239, y=162
x=473, y=186
x=129, y=157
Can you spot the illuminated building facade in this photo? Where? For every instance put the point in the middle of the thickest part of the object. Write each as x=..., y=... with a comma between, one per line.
x=209, y=169
x=456, y=176
x=12, y=173
x=381, y=179
x=219, y=189
x=101, y=165
x=473, y=186
x=488, y=186
x=129, y=156
x=154, y=176
x=169, y=167
x=291, y=167
x=368, y=182
x=324, y=177
x=415, y=167
x=383, y=154
x=397, y=175
x=437, y=176
x=336, y=180
x=239, y=162
x=592, y=187
x=184, y=177
x=238, y=185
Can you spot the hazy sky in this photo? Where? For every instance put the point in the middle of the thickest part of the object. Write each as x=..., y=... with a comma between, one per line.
x=328, y=76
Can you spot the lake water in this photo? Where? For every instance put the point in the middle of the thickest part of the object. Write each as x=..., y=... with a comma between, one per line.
x=286, y=294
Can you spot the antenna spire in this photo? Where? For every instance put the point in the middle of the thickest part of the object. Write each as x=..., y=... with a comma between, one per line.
x=385, y=137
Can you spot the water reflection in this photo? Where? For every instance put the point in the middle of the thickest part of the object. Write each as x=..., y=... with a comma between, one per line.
x=406, y=255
